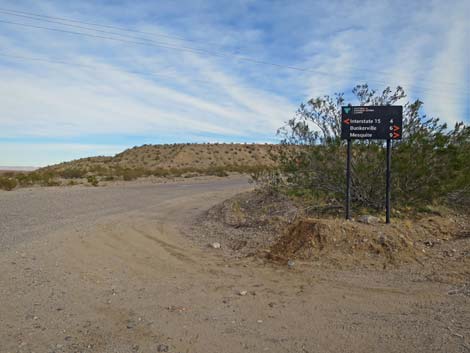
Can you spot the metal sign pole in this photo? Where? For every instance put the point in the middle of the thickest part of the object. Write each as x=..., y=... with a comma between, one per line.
x=348, y=181
x=388, y=177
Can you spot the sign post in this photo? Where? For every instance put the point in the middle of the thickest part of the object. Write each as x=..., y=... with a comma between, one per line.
x=348, y=181
x=371, y=123
x=388, y=178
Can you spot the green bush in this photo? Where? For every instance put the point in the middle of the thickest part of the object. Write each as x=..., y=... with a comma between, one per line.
x=8, y=183
x=72, y=173
x=216, y=171
x=92, y=180
x=129, y=174
x=430, y=165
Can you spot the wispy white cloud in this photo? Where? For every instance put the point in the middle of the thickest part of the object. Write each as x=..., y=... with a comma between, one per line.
x=422, y=46
x=195, y=95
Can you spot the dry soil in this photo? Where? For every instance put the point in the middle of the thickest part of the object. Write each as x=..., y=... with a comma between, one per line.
x=113, y=269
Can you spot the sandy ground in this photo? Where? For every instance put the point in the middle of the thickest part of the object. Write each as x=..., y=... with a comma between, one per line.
x=110, y=269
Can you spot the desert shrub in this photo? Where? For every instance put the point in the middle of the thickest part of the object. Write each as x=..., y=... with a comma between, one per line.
x=129, y=174
x=42, y=178
x=24, y=179
x=160, y=172
x=460, y=199
x=98, y=170
x=430, y=164
x=7, y=183
x=92, y=180
x=270, y=181
x=216, y=171
x=48, y=179
x=72, y=173
x=175, y=172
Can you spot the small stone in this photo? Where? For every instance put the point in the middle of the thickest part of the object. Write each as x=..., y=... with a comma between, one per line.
x=260, y=321
x=368, y=219
x=176, y=308
x=382, y=239
x=290, y=263
x=243, y=293
x=215, y=245
x=162, y=348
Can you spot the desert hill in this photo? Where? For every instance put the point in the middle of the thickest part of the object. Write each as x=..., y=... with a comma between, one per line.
x=184, y=158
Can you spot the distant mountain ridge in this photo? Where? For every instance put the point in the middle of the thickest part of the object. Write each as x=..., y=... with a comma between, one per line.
x=17, y=169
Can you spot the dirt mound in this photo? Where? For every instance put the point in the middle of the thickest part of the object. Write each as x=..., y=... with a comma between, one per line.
x=253, y=210
x=345, y=242
x=276, y=228
x=245, y=223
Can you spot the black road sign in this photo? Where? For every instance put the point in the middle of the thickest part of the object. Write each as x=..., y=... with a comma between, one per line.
x=372, y=122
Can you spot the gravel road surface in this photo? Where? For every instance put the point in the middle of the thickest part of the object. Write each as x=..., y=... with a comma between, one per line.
x=32, y=213
x=111, y=269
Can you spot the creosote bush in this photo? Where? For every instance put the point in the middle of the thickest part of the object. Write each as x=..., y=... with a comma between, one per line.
x=431, y=164
x=72, y=173
x=92, y=180
x=8, y=183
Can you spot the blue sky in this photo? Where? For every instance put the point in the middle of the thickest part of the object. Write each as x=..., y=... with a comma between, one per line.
x=191, y=76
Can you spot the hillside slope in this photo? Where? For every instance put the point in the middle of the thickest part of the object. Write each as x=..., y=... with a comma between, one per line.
x=183, y=157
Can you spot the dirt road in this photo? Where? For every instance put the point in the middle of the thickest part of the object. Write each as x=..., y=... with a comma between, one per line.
x=111, y=270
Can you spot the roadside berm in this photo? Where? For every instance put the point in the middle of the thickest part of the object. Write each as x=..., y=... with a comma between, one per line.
x=275, y=229
x=348, y=242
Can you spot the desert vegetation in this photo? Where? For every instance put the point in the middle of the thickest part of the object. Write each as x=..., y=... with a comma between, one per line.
x=297, y=211
x=159, y=161
x=430, y=165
